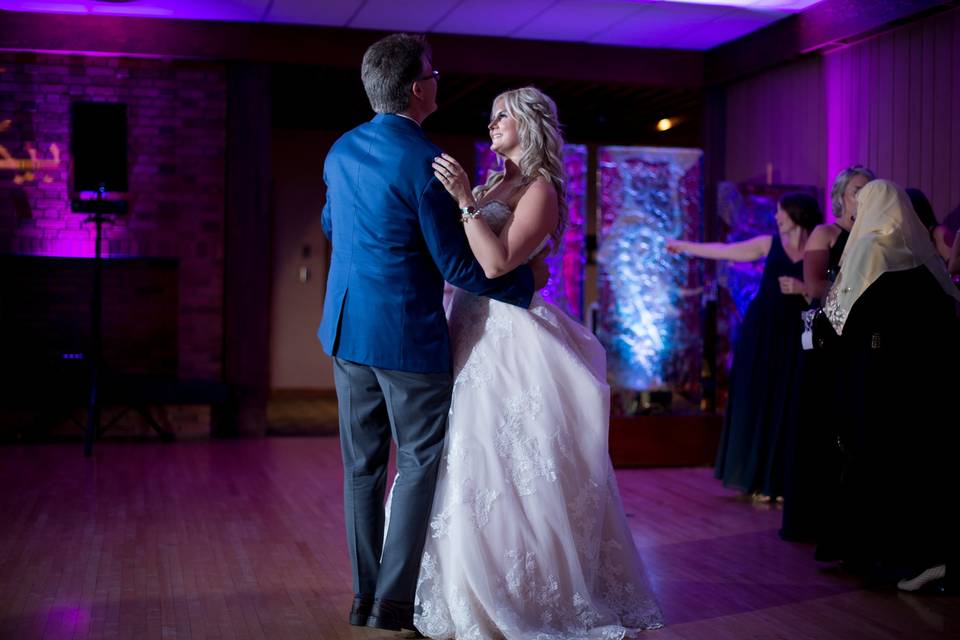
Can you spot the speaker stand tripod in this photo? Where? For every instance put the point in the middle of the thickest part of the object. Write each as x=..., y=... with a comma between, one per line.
x=96, y=332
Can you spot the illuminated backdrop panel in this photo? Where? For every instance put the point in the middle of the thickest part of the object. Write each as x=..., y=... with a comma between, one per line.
x=649, y=315
x=565, y=288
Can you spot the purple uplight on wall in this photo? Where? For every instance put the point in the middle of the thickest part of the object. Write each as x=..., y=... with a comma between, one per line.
x=174, y=162
x=844, y=148
x=42, y=223
x=836, y=127
x=567, y=262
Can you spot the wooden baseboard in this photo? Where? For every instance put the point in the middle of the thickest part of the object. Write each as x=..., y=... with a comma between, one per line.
x=664, y=441
x=302, y=394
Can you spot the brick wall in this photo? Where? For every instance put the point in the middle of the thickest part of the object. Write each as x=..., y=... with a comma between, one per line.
x=176, y=157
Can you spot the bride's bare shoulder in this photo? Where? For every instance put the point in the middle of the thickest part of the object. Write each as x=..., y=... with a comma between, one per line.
x=540, y=190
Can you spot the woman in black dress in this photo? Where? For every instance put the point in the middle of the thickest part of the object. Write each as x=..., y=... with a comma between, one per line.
x=763, y=380
x=892, y=307
x=812, y=457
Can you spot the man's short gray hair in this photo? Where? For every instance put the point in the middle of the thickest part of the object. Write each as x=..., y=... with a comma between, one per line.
x=390, y=66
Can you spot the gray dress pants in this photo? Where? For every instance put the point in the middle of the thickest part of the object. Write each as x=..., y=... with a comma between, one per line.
x=374, y=405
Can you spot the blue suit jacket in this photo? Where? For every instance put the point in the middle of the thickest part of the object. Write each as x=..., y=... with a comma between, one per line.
x=396, y=236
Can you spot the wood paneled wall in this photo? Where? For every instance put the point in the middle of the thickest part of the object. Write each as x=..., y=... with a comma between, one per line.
x=891, y=102
x=778, y=118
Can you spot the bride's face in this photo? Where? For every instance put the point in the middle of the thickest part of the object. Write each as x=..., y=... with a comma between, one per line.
x=503, y=130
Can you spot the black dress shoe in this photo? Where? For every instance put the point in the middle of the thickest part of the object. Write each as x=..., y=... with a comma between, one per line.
x=391, y=615
x=360, y=610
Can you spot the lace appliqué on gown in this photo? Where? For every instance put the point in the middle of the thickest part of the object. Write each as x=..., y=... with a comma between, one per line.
x=528, y=540
x=519, y=449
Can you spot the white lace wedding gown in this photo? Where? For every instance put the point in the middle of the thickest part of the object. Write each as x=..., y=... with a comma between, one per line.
x=528, y=538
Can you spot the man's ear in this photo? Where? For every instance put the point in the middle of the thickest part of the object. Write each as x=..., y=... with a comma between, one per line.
x=417, y=89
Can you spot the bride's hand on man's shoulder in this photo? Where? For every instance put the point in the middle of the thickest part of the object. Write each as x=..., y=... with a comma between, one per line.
x=454, y=179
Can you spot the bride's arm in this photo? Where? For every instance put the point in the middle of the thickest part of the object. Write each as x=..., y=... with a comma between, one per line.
x=535, y=216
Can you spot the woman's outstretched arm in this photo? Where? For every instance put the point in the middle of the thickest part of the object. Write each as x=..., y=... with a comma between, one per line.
x=743, y=251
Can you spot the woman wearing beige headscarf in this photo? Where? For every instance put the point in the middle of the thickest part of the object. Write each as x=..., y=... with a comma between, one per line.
x=887, y=237
x=893, y=308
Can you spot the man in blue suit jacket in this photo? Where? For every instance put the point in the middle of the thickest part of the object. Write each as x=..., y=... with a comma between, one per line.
x=396, y=237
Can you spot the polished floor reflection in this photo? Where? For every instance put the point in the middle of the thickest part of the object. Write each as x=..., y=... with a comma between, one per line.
x=244, y=539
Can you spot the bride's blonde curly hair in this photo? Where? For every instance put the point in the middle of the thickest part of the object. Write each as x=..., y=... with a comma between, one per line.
x=541, y=146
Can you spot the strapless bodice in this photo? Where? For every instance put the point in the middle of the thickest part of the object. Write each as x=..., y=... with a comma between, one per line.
x=496, y=214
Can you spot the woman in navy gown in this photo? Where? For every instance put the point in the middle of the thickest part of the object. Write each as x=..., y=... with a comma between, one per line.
x=763, y=380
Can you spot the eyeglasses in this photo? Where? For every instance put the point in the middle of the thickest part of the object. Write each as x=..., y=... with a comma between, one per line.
x=433, y=74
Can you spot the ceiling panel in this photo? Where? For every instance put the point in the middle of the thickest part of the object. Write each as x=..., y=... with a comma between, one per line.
x=575, y=21
x=400, y=15
x=486, y=17
x=657, y=24
x=728, y=27
x=689, y=24
x=773, y=5
x=684, y=26
x=233, y=10
x=326, y=13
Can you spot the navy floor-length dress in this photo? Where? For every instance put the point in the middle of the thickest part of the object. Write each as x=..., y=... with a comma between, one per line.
x=763, y=382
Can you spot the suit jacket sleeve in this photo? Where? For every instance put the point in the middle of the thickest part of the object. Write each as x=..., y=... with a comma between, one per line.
x=451, y=252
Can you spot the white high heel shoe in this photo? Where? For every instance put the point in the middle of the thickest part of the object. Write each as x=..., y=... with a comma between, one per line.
x=931, y=574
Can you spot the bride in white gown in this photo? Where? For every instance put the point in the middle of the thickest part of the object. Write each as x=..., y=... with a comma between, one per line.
x=528, y=538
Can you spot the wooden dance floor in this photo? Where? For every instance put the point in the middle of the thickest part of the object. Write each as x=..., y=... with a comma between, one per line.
x=244, y=539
